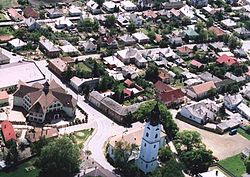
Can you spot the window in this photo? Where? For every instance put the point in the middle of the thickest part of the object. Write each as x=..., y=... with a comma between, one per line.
x=146, y=165
x=156, y=136
x=148, y=128
x=154, y=146
x=145, y=144
x=147, y=134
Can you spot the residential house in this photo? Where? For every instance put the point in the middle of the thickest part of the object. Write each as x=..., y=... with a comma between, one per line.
x=127, y=39
x=217, y=31
x=113, y=62
x=161, y=87
x=172, y=97
x=30, y=12
x=242, y=32
x=93, y=7
x=149, y=14
x=128, y=5
x=60, y=65
x=140, y=37
x=55, y=13
x=99, y=171
x=64, y=22
x=232, y=101
x=196, y=64
x=184, y=50
x=45, y=102
x=199, y=3
x=226, y=60
x=212, y=173
x=16, y=44
x=228, y=23
x=128, y=83
x=110, y=107
x=4, y=59
x=109, y=6
x=201, y=90
x=219, y=47
x=108, y=41
x=191, y=34
x=88, y=46
x=68, y=49
x=187, y=11
x=206, y=76
x=32, y=24
x=244, y=110
x=129, y=72
x=234, y=77
x=80, y=83
x=75, y=11
x=145, y=4
x=173, y=4
x=4, y=98
x=48, y=48
x=14, y=15
x=8, y=131
x=122, y=20
x=165, y=76
x=136, y=19
x=201, y=112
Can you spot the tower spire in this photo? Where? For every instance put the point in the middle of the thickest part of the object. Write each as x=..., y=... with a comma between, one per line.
x=155, y=116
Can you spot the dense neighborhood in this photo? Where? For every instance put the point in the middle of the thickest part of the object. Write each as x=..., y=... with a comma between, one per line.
x=125, y=88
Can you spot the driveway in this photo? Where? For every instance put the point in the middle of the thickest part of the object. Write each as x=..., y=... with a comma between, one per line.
x=223, y=146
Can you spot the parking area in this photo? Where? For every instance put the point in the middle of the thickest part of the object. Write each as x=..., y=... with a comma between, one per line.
x=223, y=146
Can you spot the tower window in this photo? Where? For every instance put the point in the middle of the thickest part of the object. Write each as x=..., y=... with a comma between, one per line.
x=146, y=165
x=154, y=146
x=145, y=144
x=148, y=128
x=156, y=136
x=147, y=134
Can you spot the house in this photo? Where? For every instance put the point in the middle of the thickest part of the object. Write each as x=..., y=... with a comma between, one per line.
x=196, y=64
x=212, y=173
x=219, y=46
x=63, y=22
x=164, y=76
x=75, y=11
x=8, y=131
x=93, y=7
x=16, y=44
x=129, y=72
x=172, y=97
x=80, y=83
x=45, y=102
x=232, y=101
x=127, y=39
x=54, y=13
x=191, y=34
x=4, y=98
x=128, y=83
x=113, y=62
x=145, y=4
x=140, y=37
x=110, y=107
x=131, y=55
x=88, y=46
x=206, y=76
x=235, y=78
x=217, y=31
x=199, y=3
x=201, y=112
x=161, y=87
x=68, y=49
x=108, y=41
x=149, y=14
x=226, y=60
x=184, y=50
x=109, y=6
x=244, y=110
x=14, y=15
x=242, y=32
x=173, y=4
x=122, y=20
x=32, y=24
x=4, y=59
x=48, y=48
x=136, y=19
x=30, y=12
x=228, y=23
x=99, y=171
x=60, y=66
x=187, y=11
x=245, y=152
x=201, y=90
x=128, y=5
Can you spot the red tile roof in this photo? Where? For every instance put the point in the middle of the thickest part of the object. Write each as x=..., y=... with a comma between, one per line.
x=224, y=59
x=218, y=31
x=161, y=87
x=171, y=96
x=4, y=95
x=8, y=131
x=128, y=83
x=127, y=92
x=150, y=14
x=184, y=49
x=196, y=63
x=29, y=12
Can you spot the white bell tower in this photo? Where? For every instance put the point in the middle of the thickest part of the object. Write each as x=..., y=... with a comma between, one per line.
x=147, y=161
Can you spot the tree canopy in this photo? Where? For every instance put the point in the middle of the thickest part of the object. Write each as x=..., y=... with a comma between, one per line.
x=60, y=157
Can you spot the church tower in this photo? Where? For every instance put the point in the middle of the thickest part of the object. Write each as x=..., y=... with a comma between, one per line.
x=147, y=161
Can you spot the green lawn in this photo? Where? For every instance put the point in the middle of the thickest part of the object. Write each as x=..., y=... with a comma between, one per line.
x=82, y=70
x=21, y=172
x=6, y=30
x=82, y=135
x=2, y=17
x=176, y=70
x=243, y=133
x=8, y=3
x=234, y=164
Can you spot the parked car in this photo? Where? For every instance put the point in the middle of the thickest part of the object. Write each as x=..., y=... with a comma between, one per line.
x=233, y=132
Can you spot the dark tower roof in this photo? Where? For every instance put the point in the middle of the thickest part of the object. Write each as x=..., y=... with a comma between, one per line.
x=46, y=87
x=154, y=118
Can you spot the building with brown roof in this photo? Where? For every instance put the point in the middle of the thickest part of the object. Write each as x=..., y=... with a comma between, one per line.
x=201, y=90
x=8, y=131
x=217, y=31
x=30, y=12
x=161, y=87
x=60, y=65
x=172, y=97
x=45, y=102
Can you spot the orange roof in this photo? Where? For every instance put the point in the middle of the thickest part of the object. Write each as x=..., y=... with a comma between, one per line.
x=184, y=49
x=218, y=31
x=4, y=95
x=150, y=14
x=175, y=12
x=204, y=87
x=196, y=63
x=13, y=12
x=8, y=131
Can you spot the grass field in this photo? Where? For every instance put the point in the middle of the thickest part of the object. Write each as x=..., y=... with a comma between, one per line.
x=234, y=164
x=8, y=3
x=82, y=135
x=243, y=133
x=6, y=31
x=21, y=172
x=83, y=70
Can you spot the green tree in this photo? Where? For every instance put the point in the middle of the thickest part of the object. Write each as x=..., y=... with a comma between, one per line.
x=186, y=21
x=151, y=72
x=12, y=155
x=170, y=169
x=99, y=2
x=131, y=27
x=165, y=154
x=87, y=25
x=200, y=26
x=22, y=2
x=106, y=82
x=110, y=21
x=60, y=157
x=248, y=129
x=248, y=166
x=210, y=21
x=37, y=146
x=95, y=70
x=187, y=140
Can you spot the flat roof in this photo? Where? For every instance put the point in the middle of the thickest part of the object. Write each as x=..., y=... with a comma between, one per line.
x=10, y=74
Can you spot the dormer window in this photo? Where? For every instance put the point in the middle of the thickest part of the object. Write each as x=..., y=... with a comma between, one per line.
x=156, y=136
x=147, y=134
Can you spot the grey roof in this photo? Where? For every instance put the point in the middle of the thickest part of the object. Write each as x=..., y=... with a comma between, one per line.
x=206, y=76
x=48, y=45
x=127, y=38
x=242, y=30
